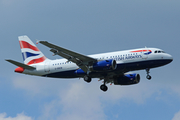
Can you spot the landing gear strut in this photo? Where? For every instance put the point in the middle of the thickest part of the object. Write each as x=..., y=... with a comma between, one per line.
x=148, y=76
x=87, y=78
x=103, y=87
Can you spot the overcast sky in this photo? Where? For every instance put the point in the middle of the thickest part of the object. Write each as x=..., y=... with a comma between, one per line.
x=89, y=27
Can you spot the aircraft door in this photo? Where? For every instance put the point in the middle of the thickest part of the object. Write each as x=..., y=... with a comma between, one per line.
x=145, y=53
x=47, y=66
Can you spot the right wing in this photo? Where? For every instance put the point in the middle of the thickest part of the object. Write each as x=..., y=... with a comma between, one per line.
x=81, y=60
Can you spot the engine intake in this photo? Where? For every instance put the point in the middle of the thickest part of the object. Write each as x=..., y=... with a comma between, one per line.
x=105, y=65
x=127, y=79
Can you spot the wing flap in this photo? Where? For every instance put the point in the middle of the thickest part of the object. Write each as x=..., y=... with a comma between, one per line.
x=21, y=65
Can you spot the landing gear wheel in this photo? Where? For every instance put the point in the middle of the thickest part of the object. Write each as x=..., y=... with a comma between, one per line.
x=148, y=77
x=87, y=79
x=104, y=88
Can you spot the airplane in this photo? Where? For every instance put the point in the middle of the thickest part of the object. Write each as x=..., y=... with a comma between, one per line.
x=111, y=67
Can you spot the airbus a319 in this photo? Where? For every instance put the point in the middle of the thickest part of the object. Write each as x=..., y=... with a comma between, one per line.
x=112, y=67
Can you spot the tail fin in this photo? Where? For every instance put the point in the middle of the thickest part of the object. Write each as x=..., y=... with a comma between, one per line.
x=31, y=54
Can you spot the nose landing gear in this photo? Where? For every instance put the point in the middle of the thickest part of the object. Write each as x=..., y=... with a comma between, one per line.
x=148, y=76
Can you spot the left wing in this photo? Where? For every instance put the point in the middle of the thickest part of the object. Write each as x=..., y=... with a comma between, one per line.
x=81, y=60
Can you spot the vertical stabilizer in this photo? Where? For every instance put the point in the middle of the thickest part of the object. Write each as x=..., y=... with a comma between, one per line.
x=31, y=54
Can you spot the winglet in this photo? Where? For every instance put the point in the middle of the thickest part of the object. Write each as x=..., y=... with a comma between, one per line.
x=37, y=41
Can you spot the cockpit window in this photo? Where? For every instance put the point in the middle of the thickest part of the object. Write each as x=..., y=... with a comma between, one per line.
x=159, y=51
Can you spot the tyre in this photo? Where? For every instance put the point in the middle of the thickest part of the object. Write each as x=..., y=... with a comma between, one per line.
x=87, y=79
x=104, y=88
x=148, y=77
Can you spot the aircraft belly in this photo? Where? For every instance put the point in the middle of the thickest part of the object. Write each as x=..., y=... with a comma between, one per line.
x=121, y=68
x=62, y=74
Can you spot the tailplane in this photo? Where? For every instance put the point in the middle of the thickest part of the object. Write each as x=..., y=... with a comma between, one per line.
x=31, y=54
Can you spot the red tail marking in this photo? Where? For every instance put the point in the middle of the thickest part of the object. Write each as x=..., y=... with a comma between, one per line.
x=39, y=60
x=24, y=44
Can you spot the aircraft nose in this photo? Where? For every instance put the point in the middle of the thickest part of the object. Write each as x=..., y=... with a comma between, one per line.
x=169, y=58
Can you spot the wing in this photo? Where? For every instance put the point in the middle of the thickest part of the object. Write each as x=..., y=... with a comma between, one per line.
x=82, y=61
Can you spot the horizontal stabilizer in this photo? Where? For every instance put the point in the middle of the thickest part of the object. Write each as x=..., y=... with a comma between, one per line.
x=21, y=65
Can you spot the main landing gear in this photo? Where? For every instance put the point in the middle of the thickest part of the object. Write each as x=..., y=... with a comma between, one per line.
x=87, y=78
x=103, y=87
x=148, y=76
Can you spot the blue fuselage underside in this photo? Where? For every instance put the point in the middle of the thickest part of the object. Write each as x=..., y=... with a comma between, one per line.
x=121, y=68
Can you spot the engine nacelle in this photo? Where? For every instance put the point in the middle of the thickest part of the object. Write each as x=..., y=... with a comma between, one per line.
x=127, y=79
x=105, y=65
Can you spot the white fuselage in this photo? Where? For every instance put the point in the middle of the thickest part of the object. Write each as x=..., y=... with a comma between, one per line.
x=134, y=56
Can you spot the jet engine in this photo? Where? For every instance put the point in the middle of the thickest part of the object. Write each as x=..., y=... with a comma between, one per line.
x=104, y=65
x=127, y=79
